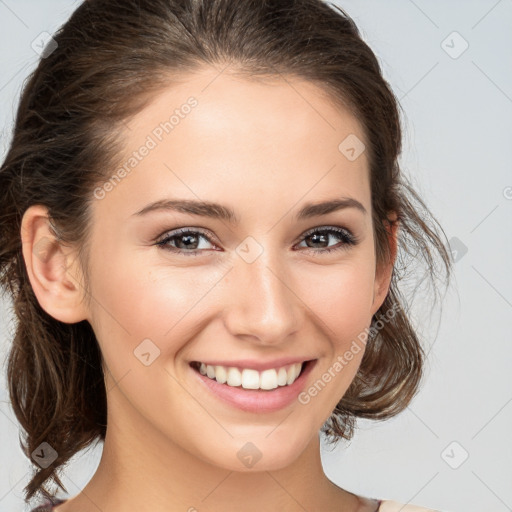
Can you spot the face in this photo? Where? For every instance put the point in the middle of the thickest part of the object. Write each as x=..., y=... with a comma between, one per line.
x=172, y=286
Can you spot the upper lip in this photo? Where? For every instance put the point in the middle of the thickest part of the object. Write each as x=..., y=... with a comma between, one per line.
x=257, y=364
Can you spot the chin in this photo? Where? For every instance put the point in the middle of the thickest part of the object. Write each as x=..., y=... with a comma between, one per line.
x=262, y=452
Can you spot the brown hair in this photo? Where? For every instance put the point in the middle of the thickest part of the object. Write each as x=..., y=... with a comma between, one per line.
x=112, y=55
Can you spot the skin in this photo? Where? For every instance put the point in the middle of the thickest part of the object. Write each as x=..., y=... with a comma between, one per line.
x=264, y=149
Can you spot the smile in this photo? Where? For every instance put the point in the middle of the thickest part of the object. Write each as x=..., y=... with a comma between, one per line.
x=268, y=391
x=251, y=379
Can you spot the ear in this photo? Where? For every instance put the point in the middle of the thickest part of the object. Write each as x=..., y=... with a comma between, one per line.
x=384, y=271
x=52, y=268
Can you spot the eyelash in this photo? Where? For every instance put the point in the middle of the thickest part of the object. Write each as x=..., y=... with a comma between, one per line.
x=345, y=235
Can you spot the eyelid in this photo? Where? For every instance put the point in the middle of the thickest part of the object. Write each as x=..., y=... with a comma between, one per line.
x=179, y=231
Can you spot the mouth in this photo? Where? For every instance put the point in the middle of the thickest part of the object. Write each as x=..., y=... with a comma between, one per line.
x=253, y=399
x=251, y=379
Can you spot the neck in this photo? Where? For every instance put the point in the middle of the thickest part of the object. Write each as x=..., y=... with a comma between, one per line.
x=141, y=469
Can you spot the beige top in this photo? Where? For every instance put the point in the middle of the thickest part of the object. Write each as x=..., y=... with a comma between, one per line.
x=394, y=506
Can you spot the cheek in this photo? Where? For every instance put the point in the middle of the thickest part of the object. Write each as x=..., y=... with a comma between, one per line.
x=135, y=303
x=136, y=300
x=343, y=310
x=343, y=307
x=341, y=296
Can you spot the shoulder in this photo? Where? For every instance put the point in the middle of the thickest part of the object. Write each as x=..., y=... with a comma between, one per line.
x=395, y=506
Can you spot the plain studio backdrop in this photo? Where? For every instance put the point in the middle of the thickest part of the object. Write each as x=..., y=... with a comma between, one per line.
x=449, y=63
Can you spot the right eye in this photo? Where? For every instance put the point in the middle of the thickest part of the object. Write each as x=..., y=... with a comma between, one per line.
x=184, y=237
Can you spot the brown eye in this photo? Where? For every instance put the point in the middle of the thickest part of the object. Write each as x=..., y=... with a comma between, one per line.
x=323, y=236
x=186, y=241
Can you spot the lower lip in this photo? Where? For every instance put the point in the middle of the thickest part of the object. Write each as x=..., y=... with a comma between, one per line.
x=257, y=400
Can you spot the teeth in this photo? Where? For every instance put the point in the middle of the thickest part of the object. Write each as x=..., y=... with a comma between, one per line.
x=252, y=379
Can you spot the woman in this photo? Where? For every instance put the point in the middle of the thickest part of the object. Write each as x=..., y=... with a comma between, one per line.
x=202, y=216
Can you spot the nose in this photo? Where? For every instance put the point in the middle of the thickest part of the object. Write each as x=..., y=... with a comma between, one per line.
x=263, y=302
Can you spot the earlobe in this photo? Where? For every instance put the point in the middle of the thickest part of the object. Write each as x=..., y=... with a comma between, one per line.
x=51, y=268
x=385, y=271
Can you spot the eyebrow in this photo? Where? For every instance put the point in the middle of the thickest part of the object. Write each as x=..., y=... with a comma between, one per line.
x=218, y=211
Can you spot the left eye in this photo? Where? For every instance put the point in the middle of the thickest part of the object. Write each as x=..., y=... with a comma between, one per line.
x=187, y=241
x=322, y=236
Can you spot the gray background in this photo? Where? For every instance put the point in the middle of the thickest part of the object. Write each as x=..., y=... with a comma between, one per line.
x=458, y=151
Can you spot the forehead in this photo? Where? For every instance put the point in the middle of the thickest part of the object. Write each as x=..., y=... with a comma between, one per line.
x=251, y=105
x=215, y=134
